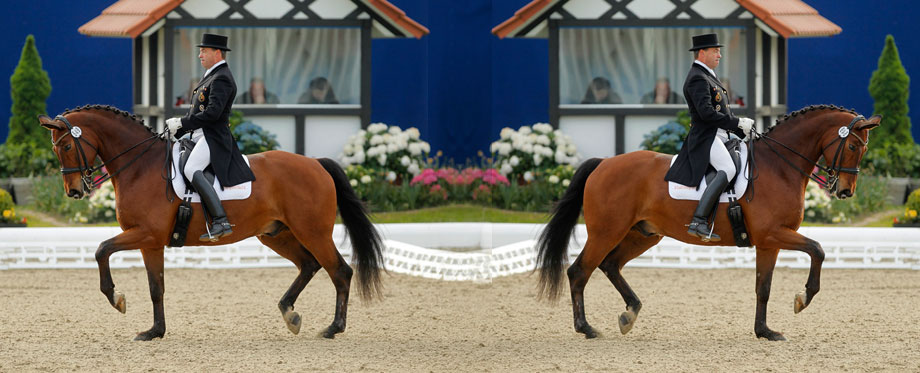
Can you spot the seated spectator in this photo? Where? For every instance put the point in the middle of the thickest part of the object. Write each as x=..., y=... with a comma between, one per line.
x=599, y=93
x=257, y=94
x=662, y=94
x=320, y=93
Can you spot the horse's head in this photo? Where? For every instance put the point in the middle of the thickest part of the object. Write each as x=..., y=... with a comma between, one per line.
x=846, y=143
x=76, y=149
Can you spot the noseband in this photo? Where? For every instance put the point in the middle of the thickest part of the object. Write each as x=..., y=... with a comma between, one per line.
x=833, y=172
x=86, y=168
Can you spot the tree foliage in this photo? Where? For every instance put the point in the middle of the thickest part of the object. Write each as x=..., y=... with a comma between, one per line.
x=890, y=87
x=29, y=88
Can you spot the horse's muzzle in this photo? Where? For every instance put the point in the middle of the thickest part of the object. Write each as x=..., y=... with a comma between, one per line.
x=844, y=194
x=75, y=193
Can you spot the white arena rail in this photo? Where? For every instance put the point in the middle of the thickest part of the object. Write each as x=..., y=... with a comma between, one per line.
x=486, y=250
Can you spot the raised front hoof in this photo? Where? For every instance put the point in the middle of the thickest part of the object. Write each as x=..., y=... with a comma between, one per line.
x=332, y=330
x=587, y=330
x=770, y=335
x=118, y=301
x=801, y=301
x=149, y=335
x=627, y=319
x=292, y=319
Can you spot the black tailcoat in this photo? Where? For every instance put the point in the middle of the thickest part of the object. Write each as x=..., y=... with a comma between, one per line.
x=211, y=102
x=709, y=111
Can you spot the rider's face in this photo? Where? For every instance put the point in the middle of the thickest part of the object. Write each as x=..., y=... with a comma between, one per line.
x=209, y=56
x=711, y=57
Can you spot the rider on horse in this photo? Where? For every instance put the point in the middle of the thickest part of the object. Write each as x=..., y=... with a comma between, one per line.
x=711, y=118
x=208, y=117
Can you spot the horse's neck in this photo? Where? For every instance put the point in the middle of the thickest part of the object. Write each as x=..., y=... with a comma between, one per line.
x=804, y=138
x=117, y=139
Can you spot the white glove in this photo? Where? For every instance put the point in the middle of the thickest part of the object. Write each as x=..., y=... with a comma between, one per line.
x=173, y=125
x=745, y=124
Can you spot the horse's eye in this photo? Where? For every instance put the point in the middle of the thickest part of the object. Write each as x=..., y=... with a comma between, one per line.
x=852, y=147
x=67, y=147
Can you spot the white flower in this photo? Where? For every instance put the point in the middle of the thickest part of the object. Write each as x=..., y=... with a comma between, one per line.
x=358, y=158
x=543, y=128
x=349, y=149
x=366, y=179
x=377, y=139
x=528, y=176
x=353, y=182
x=391, y=176
x=570, y=148
x=514, y=160
x=546, y=151
x=524, y=130
x=505, y=149
x=494, y=146
x=415, y=148
x=376, y=127
x=109, y=213
x=382, y=159
x=566, y=183
x=394, y=130
x=425, y=147
x=537, y=159
x=561, y=158
x=373, y=152
x=553, y=179
x=413, y=133
x=538, y=149
x=346, y=161
x=506, y=169
x=413, y=169
x=506, y=133
x=527, y=148
x=404, y=160
x=392, y=148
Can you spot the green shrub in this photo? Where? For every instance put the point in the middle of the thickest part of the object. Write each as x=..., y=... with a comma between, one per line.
x=871, y=197
x=912, y=208
x=29, y=88
x=890, y=88
x=21, y=160
x=7, y=208
x=49, y=197
x=896, y=160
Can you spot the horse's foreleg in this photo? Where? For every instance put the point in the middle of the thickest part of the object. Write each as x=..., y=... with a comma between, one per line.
x=766, y=262
x=792, y=240
x=129, y=239
x=153, y=261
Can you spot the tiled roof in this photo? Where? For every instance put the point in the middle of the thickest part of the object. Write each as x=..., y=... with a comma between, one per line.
x=128, y=18
x=790, y=18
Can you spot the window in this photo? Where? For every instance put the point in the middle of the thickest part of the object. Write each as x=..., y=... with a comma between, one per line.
x=641, y=65
x=277, y=65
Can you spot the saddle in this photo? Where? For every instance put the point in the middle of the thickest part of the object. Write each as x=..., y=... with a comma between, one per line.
x=737, y=184
x=180, y=153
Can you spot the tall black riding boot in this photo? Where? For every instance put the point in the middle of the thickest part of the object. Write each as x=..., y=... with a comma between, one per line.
x=219, y=225
x=699, y=226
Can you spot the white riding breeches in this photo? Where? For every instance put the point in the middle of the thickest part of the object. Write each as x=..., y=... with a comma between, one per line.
x=718, y=155
x=201, y=155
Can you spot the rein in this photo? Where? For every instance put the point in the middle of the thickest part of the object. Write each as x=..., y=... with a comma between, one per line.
x=835, y=168
x=85, y=168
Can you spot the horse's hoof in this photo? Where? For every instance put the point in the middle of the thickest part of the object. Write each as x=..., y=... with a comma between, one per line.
x=771, y=336
x=332, y=330
x=801, y=301
x=119, y=302
x=587, y=330
x=292, y=319
x=627, y=319
x=148, y=335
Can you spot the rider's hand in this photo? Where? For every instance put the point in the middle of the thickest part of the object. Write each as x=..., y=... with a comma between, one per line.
x=173, y=125
x=745, y=124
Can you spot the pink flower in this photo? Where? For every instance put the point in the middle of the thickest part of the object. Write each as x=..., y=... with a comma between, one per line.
x=426, y=177
x=492, y=177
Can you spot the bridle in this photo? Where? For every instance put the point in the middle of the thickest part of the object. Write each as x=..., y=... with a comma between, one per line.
x=85, y=167
x=833, y=172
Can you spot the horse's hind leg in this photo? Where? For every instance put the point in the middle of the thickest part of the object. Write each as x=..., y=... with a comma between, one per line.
x=323, y=249
x=288, y=247
x=596, y=248
x=632, y=246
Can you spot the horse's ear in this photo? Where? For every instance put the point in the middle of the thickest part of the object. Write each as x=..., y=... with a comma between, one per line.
x=870, y=123
x=49, y=123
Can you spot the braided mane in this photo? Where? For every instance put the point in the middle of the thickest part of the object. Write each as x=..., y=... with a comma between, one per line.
x=111, y=109
x=791, y=116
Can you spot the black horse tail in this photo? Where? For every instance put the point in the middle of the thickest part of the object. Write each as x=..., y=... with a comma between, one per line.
x=366, y=245
x=553, y=245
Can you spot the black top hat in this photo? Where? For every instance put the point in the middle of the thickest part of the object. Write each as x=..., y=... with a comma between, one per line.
x=214, y=41
x=705, y=41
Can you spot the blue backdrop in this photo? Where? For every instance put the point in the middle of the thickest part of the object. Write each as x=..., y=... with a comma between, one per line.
x=460, y=84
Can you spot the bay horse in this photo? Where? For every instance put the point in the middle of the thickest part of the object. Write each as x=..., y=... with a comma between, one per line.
x=627, y=210
x=292, y=209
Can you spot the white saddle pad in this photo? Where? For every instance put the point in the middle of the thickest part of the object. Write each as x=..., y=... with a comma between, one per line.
x=678, y=191
x=240, y=191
